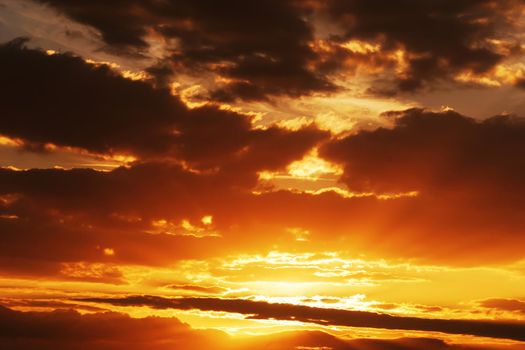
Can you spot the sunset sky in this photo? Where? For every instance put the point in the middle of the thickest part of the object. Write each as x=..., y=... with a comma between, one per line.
x=262, y=174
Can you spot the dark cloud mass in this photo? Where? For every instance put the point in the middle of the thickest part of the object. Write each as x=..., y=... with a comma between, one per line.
x=66, y=329
x=440, y=38
x=264, y=310
x=231, y=38
x=435, y=153
x=270, y=47
x=62, y=100
x=63, y=329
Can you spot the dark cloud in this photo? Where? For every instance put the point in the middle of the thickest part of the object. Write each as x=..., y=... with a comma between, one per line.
x=435, y=153
x=66, y=329
x=62, y=100
x=439, y=38
x=324, y=316
x=233, y=39
x=48, y=304
x=69, y=330
x=270, y=48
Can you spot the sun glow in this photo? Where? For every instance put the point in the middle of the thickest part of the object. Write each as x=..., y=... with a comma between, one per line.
x=361, y=47
x=312, y=167
x=256, y=175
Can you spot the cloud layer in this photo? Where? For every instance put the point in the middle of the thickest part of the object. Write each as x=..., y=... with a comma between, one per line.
x=102, y=112
x=337, y=317
x=417, y=45
x=65, y=329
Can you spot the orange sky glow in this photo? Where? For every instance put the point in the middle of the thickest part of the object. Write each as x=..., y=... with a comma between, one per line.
x=279, y=174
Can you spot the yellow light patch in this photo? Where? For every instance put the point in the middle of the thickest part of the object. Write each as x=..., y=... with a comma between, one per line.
x=109, y=252
x=313, y=167
x=361, y=47
x=207, y=220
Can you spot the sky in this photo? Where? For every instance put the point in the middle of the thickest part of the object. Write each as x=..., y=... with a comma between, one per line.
x=273, y=174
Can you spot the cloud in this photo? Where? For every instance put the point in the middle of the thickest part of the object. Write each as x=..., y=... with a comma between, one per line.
x=101, y=112
x=78, y=230
x=324, y=316
x=290, y=48
x=468, y=174
x=233, y=40
x=513, y=305
x=434, y=152
x=77, y=214
x=48, y=304
x=66, y=329
x=437, y=40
